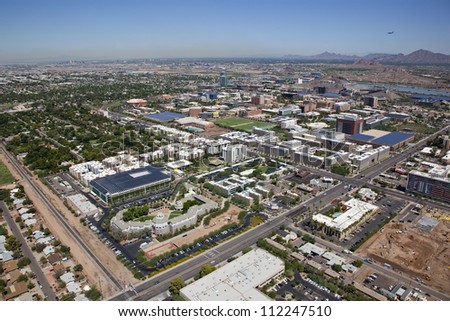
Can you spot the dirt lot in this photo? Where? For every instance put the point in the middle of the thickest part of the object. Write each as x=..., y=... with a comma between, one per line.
x=91, y=270
x=414, y=252
x=230, y=216
x=213, y=131
x=157, y=249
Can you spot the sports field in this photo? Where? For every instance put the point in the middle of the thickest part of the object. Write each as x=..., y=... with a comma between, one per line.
x=238, y=123
x=5, y=175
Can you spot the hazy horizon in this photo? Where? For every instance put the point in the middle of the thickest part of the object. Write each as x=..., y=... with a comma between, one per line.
x=35, y=31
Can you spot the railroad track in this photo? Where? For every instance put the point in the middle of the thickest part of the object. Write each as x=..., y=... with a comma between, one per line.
x=61, y=219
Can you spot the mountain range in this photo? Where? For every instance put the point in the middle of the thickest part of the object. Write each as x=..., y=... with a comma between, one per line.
x=417, y=57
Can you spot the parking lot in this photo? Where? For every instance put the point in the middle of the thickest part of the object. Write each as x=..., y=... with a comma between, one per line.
x=376, y=281
x=209, y=242
x=387, y=206
x=304, y=290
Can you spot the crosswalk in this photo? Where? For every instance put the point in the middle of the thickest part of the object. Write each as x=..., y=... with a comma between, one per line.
x=211, y=254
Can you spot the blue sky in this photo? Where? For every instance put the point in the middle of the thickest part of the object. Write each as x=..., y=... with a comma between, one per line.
x=43, y=29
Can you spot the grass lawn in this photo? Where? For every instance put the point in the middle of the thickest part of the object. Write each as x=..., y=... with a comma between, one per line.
x=243, y=124
x=255, y=221
x=415, y=128
x=5, y=175
x=175, y=214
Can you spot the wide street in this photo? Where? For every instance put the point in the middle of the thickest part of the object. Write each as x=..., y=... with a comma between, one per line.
x=160, y=283
x=400, y=277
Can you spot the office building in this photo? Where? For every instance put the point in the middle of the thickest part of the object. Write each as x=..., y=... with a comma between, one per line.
x=371, y=101
x=342, y=224
x=223, y=80
x=435, y=183
x=349, y=124
x=123, y=186
x=446, y=143
x=82, y=205
x=234, y=153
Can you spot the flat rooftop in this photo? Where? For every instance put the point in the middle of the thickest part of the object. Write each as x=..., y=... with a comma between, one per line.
x=130, y=180
x=237, y=280
x=357, y=209
x=165, y=116
x=380, y=137
x=309, y=248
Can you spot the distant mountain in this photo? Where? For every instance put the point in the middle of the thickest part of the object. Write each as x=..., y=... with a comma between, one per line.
x=333, y=56
x=324, y=56
x=417, y=57
x=376, y=56
x=366, y=62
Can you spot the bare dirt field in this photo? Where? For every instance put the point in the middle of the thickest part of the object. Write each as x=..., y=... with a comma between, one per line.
x=379, y=73
x=415, y=252
x=158, y=249
x=230, y=216
x=105, y=255
x=214, y=131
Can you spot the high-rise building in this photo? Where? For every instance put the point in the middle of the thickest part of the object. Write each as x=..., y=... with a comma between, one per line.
x=349, y=124
x=234, y=153
x=435, y=183
x=446, y=143
x=371, y=101
x=223, y=80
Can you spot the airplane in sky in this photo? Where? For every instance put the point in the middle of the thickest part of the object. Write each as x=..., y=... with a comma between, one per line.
x=390, y=32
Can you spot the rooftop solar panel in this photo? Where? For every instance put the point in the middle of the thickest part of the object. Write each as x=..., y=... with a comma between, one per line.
x=399, y=116
x=165, y=116
x=129, y=180
x=392, y=138
x=362, y=137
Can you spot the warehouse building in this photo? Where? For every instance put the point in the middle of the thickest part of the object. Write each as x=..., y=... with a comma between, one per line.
x=82, y=205
x=123, y=186
x=237, y=280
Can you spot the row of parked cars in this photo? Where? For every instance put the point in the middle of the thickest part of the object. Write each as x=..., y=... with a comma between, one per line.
x=323, y=288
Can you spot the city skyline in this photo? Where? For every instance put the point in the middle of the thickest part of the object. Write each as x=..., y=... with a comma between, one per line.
x=34, y=31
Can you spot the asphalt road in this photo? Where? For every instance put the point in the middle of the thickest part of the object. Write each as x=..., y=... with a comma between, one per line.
x=405, y=279
x=35, y=267
x=25, y=174
x=160, y=283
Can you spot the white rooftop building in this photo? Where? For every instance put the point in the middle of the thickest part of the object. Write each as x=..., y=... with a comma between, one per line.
x=82, y=205
x=343, y=223
x=367, y=194
x=309, y=248
x=237, y=281
x=234, y=153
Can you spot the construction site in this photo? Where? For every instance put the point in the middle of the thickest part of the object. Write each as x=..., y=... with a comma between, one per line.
x=418, y=248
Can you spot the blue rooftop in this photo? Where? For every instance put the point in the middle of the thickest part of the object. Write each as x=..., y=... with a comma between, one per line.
x=398, y=116
x=392, y=138
x=132, y=179
x=362, y=137
x=330, y=95
x=165, y=116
